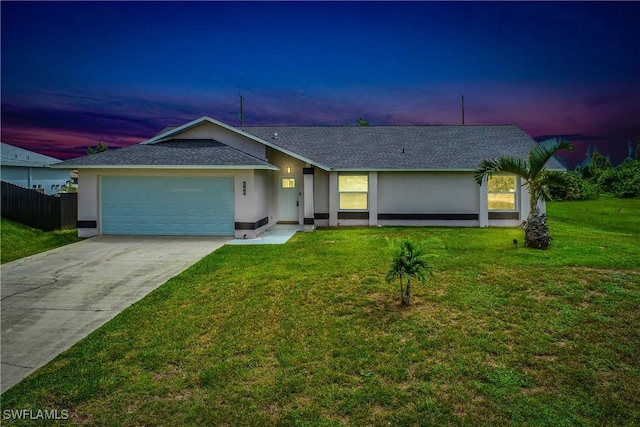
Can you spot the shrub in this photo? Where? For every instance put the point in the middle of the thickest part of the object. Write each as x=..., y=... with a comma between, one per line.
x=623, y=180
x=580, y=189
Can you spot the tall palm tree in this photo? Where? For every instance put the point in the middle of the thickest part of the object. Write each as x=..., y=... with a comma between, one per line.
x=537, y=179
x=409, y=262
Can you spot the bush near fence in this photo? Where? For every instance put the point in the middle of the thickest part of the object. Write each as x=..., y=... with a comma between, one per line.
x=39, y=210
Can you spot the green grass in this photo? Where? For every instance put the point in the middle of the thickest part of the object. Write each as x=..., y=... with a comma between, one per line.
x=606, y=214
x=19, y=241
x=309, y=333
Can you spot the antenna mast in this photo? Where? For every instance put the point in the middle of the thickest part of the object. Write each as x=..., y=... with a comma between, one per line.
x=241, y=111
x=462, y=108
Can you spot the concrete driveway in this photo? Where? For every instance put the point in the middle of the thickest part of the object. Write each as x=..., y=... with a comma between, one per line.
x=52, y=300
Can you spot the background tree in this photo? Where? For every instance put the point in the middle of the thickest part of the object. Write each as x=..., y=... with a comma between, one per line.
x=596, y=174
x=537, y=180
x=594, y=165
x=99, y=149
x=409, y=261
x=580, y=189
x=623, y=180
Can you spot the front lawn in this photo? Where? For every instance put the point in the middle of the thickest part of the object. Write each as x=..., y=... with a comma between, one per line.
x=19, y=241
x=309, y=333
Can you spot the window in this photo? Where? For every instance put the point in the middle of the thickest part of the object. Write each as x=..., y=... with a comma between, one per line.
x=288, y=183
x=502, y=193
x=354, y=192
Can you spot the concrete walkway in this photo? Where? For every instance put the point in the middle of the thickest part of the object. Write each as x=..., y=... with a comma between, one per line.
x=276, y=235
x=52, y=300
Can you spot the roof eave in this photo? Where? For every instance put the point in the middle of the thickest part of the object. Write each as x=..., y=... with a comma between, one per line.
x=27, y=165
x=179, y=129
x=170, y=133
x=402, y=170
x=304, y=159
x=173, y=167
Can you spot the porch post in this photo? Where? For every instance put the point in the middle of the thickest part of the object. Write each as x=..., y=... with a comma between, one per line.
x=483, y=212
x=309, y=210
x=334, y=199
x=373, y=198
x=524, y=199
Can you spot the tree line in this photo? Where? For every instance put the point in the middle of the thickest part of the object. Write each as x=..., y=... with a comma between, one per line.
x=596, y=175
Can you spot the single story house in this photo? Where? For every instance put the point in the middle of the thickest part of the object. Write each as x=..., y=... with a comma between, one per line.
x=32, y=170
x=207, y=177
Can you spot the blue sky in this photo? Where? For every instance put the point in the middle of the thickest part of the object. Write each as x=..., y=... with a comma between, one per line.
x=76, y=73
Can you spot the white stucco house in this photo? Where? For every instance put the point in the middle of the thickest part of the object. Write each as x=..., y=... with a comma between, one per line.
x=31, y=170
x=207, y=177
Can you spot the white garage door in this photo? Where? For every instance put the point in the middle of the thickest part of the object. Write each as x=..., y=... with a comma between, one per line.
x=167, y=206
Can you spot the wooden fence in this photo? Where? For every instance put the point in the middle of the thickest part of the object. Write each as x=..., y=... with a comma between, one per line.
x=38, y=210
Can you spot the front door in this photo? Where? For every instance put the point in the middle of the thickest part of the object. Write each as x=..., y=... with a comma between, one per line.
x=288, y=199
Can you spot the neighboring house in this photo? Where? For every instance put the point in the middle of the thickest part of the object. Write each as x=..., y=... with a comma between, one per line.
x=207, y=177
x=32, y=170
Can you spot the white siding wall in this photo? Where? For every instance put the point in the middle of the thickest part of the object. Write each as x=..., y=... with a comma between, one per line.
x=245, y=209
x=264, y=200
x=88, y=201
x=283, y=160
x=321, y=195
x=427, y=193
x=232, y=139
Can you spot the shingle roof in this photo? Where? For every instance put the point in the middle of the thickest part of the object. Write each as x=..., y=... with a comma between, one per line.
x=175, y=152
x=16, y=156
x=330, y=147
x=400, y=147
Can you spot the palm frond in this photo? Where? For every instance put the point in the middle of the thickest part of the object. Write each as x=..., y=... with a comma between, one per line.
x=539, y=187
x=541, y=153
x=409, y=259
x=555, y=179
x=488, y=168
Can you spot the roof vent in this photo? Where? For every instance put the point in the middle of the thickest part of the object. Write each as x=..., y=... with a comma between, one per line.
x=275, y=135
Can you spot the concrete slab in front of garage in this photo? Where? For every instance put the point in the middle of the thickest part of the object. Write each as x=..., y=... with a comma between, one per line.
x=52, y=300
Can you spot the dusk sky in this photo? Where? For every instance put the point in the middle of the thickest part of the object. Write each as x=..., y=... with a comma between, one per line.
x=77, y=73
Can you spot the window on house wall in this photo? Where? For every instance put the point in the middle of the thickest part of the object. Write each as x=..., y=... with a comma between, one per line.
x=288, y=183
x=354, y=192
x=501, y=193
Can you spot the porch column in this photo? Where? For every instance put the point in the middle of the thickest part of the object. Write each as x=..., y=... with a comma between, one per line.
x=373, y=198
x=524, y=199
x=483, y=212
x=334, y=199
x=309, y=210
x=88, y=204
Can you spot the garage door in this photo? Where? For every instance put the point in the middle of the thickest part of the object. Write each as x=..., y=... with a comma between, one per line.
x=167, y=206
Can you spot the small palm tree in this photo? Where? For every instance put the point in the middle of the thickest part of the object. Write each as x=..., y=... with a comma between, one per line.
x=537, y=179
x=408, y=262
